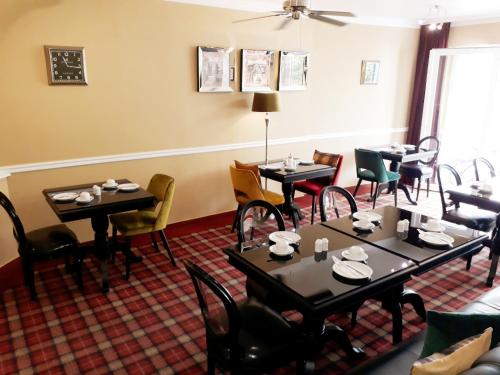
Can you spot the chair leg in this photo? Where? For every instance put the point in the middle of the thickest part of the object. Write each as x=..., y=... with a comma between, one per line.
x=469, y=262
x=375, y=194
x=153, y=239
x=428, y=186
x=78, y=266
x=371, y=189
x=235, y=221
x=29, y=277
x=114, y=244
x=313, y=210
x=418, y=188
x=167, y=247
x=396, y=196
x=128, y=257
x=210, y=366
x=357, y=187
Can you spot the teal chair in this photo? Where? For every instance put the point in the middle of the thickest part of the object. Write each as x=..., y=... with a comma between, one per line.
x=370, y=167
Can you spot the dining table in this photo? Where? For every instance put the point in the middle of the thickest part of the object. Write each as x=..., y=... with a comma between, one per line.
x=277, y=172
x=97, y=210
x=398, y=156
x=472, y=193
x=307, y=280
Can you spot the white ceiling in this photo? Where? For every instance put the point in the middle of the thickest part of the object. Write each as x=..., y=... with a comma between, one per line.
x=382, y=12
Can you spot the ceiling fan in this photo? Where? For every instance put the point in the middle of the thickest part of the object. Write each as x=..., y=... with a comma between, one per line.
x=296, y=9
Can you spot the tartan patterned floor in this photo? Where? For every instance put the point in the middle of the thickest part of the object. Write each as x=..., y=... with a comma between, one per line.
x=152, y=324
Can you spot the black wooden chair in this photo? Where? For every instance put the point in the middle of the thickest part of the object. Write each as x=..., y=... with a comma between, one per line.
x=249, y=338
x=328, y=200
x=43, y=244
x=423, y=169
x=464, y=214
x=483, y=166
x=494, y=245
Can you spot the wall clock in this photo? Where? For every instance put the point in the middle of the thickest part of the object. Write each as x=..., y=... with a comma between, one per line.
x=66, y=65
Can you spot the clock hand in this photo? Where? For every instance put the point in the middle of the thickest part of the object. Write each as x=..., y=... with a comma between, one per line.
x=71, y=66
x=65, y=61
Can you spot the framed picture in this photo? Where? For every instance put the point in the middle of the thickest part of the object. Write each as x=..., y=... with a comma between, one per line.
x=214, y=69
x=369, y=72
x=257, y=70
x=293, y=71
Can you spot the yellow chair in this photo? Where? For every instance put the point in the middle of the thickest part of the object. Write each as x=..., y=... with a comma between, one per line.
x=247, y=188
x=149, y=220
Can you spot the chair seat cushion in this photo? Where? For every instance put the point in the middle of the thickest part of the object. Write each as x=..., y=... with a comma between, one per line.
x=366, y=174
x=132, y=223
x=48, y=240
x=274, y=198
x=471, y=217
x=310, y=187
x=415, y=170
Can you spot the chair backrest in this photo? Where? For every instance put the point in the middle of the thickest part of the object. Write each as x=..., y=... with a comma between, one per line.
x=430, y=143
x=219, y=310
x=245, y=184
x=329, y=198
x=162, y=187
x=19, y=233
x=252, y=167
x=447, y=175
x=257, y=219
x=334, y=160
x=479, y=164
x=372, y=161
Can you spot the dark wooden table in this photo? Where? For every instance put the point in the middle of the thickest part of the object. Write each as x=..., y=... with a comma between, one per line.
x=396, y=158
x=303, y=172
x=491, y=202
x=111, y=201
x=308, y=282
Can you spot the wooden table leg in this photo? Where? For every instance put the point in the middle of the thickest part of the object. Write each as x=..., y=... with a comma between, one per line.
x=100, y=225
x=289, y=207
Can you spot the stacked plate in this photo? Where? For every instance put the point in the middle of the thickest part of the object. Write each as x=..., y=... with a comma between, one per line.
x=436, y=238
x=65, y=197
x=352, y=270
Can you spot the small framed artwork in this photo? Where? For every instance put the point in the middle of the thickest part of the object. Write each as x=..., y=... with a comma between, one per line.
x=257, y=70
x=293, y=71
x=215, y=66
x=66, y=65
x=369, y=72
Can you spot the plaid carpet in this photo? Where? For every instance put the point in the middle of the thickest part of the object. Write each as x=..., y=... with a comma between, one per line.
x=152, y=324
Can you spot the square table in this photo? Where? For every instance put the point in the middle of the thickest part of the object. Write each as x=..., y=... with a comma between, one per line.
x=287, y=178
x=309, y=284
x=111, y=201
x=396, y=158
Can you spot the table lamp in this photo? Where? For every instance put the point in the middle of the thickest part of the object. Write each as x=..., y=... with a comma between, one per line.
x=266, y=102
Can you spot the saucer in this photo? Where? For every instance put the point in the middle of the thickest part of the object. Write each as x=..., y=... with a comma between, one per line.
x=290, y=237
x=436, y=239
x=367, y=215
x=65, y=197
x=441, y=228
x=281, y=253
x=128, y=187
x=357, y=258
x=80, y=200
x=356, y=225
x=109, y=187
x=353, y=270
x=289, y=169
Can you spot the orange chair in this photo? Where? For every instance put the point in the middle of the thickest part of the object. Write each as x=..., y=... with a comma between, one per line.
x=247, y=188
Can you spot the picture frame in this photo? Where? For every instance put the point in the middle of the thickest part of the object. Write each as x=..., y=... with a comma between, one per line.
x=215, y=65
x=293, y=69
x=257, y=70
x=370, y=72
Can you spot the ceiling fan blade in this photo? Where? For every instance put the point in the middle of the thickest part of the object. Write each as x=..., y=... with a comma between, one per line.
x=284, y=23
x=330, y=21
x=332, y=13
x=258, y=18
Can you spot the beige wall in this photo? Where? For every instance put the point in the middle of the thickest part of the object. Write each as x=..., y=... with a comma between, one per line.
x=475, y=35
x=141, y=62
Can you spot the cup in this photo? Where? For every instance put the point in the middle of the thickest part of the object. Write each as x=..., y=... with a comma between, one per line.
x=433, y=224
x=85, y=196
x=487, y=188
x=356, y=251
x=110, y=182
x=281, y=246
x=365, y=224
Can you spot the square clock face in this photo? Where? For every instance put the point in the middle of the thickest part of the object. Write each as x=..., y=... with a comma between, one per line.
x=66, y=65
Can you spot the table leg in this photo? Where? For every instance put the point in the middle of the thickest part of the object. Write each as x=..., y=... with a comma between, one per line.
x=100, y=225
x=407, y=193
x=493, y=270
x=393, y=167
x=289, y=207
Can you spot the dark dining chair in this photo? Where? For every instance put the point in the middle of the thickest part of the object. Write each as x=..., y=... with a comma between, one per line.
x=329, y=200
x=483, y=166
x=245, y=338
x=471, y=217
x=370, y=167
x=422, y=169
x=43, y=244
x=313, y=187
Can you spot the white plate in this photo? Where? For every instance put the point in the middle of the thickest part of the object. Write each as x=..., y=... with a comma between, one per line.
x=409, y=147
x=80, y=200
x=436, y=239
x=128, y=187
x=356, y=258
x=442, y=228
x=345, y=269
x=290, y=237
x=288, y=251
x=272, y=167
x=289, y=169
x=65, y=197
x=357, y=225
x=307, y=162
x=367, y=215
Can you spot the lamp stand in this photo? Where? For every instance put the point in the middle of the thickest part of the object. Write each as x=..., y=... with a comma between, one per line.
x=267, y=128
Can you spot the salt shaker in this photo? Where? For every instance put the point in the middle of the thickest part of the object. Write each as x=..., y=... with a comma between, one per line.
x=318, y=246
x=400, y=226
x=96, y=190
x=324, y=244
x=407, y=225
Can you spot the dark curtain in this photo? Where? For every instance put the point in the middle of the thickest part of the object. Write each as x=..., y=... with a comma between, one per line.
x=429, y=39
